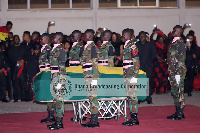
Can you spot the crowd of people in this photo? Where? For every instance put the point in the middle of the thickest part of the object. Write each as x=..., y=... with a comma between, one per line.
x=169, y=62
x=19, y=61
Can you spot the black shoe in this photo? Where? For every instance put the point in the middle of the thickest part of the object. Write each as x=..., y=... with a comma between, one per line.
x=15, y=100
x=176, y=117
x=149, y=99
x=178, y=114
x=132, y=121
x=93, y=122
x=5, y=100
x=90, y=125
x=189, y=94
x=48, y=120
x=57, y=125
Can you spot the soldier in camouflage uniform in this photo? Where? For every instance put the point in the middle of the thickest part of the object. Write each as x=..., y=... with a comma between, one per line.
x=75, y=56
x=43, y=65
x=177, y=71
x=106, y=51
x=76, y=50
x=131, y=67
x=89, y=62
x=106, y=58
x=58, y=79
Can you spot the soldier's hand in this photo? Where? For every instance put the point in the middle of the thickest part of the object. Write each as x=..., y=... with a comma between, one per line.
x=194, y=55
x=116, y=62
x=49, y=24
x=119, y=58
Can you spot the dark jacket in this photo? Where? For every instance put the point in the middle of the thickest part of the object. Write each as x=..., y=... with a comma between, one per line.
x=147, y=56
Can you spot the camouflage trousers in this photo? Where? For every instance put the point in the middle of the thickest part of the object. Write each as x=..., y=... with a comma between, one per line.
x=92, y=95
x=131, y=93
x=58, y=106
x=58, y=94
x=177, y=91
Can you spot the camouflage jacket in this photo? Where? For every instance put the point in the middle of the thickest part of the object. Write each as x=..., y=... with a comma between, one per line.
x=57, y=59
x=90, y=56
x=75, y=52
x=176, y=58
x=106, y=51
x=130, y=58
x=45, y=56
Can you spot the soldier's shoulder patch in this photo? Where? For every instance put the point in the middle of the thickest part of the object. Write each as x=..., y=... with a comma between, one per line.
x=134, y=52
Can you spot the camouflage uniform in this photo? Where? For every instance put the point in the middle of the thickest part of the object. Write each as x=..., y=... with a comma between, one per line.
x=75, y=54
x=58, y=78
x=106, y=54
x=131, y=67
x=89, y=61
x=44, y=64
x=176, y=66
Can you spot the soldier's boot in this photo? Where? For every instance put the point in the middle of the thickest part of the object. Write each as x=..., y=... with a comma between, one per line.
x=132, y=121
x=50, y=118
x=178, y=115
x=93, y=122
x=57, y=125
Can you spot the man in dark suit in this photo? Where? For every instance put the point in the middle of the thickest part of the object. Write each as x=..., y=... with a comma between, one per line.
x=147, y=55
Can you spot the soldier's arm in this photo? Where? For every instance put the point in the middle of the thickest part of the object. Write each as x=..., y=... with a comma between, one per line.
x=170, y=62
x=61, y=57
x=181, y=61
x=42, y=58
x=111, y=52
x=136, y=62
x=94, y=60
x=70, y=54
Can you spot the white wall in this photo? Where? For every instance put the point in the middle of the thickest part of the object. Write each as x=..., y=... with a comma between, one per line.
x=113, y=19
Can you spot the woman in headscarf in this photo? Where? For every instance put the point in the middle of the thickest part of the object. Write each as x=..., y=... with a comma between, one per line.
x=160, y=72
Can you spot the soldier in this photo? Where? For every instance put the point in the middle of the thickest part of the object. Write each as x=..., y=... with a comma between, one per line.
x=75, y=54
x=76, y=50
x=58, y=79
x=106, y=51
x=131, y=67
x=89, y=62
x=106, y=58
x=177, y=71
x=44, y=63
